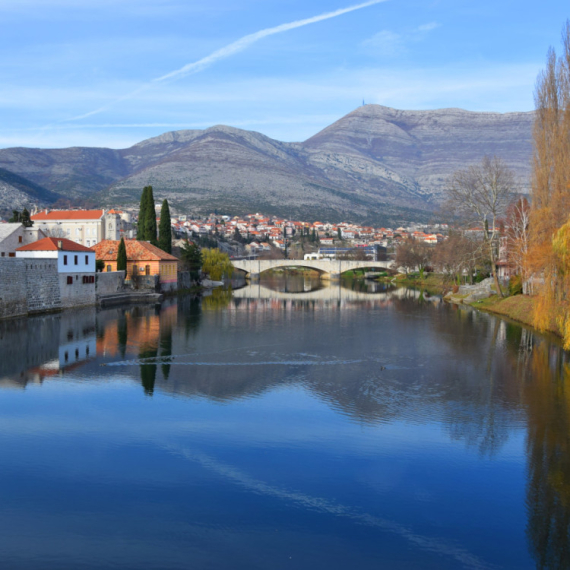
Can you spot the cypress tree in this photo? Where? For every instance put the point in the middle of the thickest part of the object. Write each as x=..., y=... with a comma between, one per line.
x=142, y=215
x=165, y=229
x=122, y=256
x=150, y=218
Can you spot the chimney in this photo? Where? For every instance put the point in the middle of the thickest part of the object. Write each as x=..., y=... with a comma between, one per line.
x=59, y=244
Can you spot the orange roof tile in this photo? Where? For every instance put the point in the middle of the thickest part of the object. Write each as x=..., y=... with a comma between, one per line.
x=136, y=251
x=67, y=215
x=51, y=244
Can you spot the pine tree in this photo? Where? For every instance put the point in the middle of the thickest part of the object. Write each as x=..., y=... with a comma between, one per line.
x=142, y=215
x=25, y=219
x=122, y=256
x=165, y=229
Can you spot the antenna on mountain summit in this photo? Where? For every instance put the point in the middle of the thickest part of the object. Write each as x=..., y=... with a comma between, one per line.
x=363, y=103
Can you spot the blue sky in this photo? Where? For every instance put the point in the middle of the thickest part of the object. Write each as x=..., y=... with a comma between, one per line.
x=83, y=72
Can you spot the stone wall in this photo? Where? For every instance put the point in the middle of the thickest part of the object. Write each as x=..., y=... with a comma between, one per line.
x=28, y=286
x=109, y=283
x=78, y=293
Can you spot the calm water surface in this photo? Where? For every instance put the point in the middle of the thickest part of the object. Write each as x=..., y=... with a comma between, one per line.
x=284, y=425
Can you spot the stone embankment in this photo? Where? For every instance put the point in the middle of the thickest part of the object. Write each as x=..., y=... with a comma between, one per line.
x=470, y=293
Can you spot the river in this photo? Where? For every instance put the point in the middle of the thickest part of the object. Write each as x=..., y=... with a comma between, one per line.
x=286, y=424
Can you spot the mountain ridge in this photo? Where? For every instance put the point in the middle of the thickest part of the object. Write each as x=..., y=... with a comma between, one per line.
x=374, y=163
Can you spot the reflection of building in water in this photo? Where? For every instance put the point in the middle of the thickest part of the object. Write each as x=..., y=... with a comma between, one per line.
x=41, y=347
x=132, y=330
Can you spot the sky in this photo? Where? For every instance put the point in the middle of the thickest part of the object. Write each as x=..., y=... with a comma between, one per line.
x=111, y=73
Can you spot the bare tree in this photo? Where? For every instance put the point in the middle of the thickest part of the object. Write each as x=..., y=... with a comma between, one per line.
x=54, y=232
x=479, y=195
x=517, y=229
x=413, y=255
x=458, y=255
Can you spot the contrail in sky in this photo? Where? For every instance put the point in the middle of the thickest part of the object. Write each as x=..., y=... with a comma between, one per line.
x=229, y=50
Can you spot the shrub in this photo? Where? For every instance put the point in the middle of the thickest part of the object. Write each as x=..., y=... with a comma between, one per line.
x=515, y=285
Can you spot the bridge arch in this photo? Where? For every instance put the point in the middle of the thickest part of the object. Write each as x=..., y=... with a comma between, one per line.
x=333, y=268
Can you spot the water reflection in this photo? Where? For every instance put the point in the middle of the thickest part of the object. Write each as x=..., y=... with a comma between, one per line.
x=377, y=356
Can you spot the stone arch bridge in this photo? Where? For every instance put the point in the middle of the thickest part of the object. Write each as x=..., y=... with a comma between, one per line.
x=328, y=268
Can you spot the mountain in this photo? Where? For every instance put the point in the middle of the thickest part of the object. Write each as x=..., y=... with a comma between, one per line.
x=16, y=191
x=374, y=164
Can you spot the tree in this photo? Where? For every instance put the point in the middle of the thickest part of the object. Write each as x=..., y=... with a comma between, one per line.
x=122, y=256
x=517, y=234
x=458, y=255
x=216, y=264
x=413, y=255
x=22, y=217
x=165, y=229
x=551, y=190
x=142, y=215
x=479, y=195
x=192, y=258
x=27, y=222
x=146, y=230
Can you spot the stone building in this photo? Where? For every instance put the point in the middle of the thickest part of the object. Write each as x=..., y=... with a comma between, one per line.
x=86, y=227
x=75, y=268
x=13, y=236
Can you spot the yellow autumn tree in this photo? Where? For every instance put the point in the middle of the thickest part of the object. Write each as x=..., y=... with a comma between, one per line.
x=561, y=249
x=551, y=187
x=216, y=264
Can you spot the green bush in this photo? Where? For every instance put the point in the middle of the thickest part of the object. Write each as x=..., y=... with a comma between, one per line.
x=515, y=285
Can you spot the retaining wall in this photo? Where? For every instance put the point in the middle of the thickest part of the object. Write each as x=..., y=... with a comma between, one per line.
x=28, y=286
x=110, y=282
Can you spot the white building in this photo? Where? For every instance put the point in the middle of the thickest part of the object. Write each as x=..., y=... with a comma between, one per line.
x=86, y=227
x=13, y=236
x=75, y=266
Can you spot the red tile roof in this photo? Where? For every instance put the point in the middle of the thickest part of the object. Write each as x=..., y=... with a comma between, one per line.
x=136, y=251
x=52, y=244
x=67, y=215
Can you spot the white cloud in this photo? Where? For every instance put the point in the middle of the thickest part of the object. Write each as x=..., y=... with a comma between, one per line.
x=428, y=27
x=387, y=43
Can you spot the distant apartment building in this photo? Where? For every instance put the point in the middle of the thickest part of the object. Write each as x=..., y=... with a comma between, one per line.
x=86, y=227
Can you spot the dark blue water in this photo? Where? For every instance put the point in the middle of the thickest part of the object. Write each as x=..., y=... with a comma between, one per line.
x=282, y=429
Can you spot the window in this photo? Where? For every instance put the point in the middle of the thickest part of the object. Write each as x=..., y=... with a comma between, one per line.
x=86, y=260
x=69, y=280
x=20, y=239
x=147, y=270
x=11, y=255
x=77, y=230
x=109, y=268
x=76, y=259
x=3, y=254
x=65, y=260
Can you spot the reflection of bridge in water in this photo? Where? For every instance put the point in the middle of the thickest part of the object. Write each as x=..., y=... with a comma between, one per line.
x=333, y=293
x=331, y=268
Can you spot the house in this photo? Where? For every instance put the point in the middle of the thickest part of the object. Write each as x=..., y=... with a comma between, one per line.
x=86, y=227
x=75, y=267
x=143, y=259
x=13, y=236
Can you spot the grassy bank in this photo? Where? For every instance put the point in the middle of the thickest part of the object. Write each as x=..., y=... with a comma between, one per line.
x=519, y=308
x=431, y=282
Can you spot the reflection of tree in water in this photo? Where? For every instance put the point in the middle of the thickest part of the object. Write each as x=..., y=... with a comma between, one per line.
x=479, y=386
x=547, y=397
x=166, y=348
x=219, y=299
x=122, y=333
x=149, y=349
x=190, y=313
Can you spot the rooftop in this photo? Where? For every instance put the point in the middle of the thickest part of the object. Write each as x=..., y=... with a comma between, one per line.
x=136, y=251
x=49, y=215
x=53, y=244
